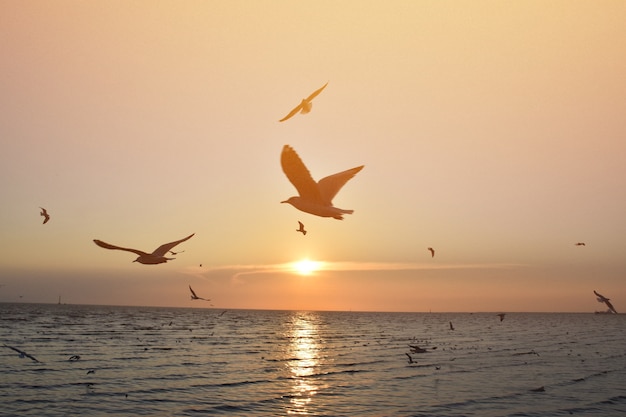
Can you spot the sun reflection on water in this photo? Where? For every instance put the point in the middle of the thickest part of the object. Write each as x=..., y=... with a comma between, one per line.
x=304, y=351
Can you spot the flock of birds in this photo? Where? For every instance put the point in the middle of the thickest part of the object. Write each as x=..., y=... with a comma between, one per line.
x=314, y=197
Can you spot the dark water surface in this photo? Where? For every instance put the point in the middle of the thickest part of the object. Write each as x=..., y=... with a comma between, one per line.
x=183, y=362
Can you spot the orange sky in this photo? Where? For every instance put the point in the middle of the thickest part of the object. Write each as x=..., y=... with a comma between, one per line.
x=491, y=131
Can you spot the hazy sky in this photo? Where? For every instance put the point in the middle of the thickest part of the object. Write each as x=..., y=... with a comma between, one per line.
x=492, y=131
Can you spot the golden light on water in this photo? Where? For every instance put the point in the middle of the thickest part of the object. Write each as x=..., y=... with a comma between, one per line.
x=304, y=349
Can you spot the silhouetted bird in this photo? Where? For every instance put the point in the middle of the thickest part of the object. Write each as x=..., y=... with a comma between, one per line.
x=603, y=299
x=195, y=297
x=45, y=214
x=305, y=105
x=156, y=257
x=314, y=197
x=301, y=229
x=501, y=315
x=432, y=252
x=580, y=244
x=22, y=353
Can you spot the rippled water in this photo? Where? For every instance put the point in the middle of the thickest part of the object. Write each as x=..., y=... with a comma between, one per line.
x=178, y=362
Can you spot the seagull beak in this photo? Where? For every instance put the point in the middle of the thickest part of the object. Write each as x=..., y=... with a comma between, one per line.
x=284, y=201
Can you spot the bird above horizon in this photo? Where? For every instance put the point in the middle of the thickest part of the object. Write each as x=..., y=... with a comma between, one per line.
x=195, y=297
x=432, y=252
x=301, y=228
x=305, y=105
x=45, y=214
x=603, y=299
x=314, y=197
x=580, y=244
x=501, y=315
x=156, y=257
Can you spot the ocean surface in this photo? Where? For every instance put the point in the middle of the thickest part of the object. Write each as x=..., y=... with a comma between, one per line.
x=191, y=362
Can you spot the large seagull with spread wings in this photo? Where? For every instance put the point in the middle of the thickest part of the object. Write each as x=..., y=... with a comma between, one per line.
x=156, y=257
x=314, y=197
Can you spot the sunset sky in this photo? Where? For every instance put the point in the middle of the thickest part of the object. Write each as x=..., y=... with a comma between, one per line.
x=492, y=131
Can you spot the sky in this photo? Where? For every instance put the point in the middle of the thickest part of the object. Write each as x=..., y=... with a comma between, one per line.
x=492, y=131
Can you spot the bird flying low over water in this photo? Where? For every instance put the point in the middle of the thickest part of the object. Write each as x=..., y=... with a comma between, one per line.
x=501, y=315
x=315, y=197
x=301, y=228
x=305, y=105
x=45, y=215
x=195, y=297
x=432, y=252
x=22, y=353
x=156, y=257
x=603, y=299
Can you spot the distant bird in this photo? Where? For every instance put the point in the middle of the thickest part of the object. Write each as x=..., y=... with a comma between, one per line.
x=603, y=299
x=417, y=349
x=451, y=326
x=580, y=244
x=314, y=197
x=91, y=371
x=305, y=105
x=501, y=315
x=74, y=358
x=175, y=253
x=195, y=297
x=301, y=229
x=432, y=252
x=22, y=353
x=410, y=357
x=45, y=214
x=156, y=257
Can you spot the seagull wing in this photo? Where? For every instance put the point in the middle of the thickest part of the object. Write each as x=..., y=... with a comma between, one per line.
x=109, y=246
x=300, y=224
x=330, y=186
x=610, y=306
x=163, y=249
x=292, y=112
x=601, y=298
x=299, y=175
x=316, y=93
x=193, y=293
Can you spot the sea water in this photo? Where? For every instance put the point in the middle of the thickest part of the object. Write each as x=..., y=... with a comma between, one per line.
x=195, y=361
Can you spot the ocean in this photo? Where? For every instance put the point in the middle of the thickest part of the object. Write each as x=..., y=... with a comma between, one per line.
x=130, y=361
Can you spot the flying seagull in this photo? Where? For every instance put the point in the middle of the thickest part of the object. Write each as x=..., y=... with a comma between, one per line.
x=432, y=252
x=194, y=296
x=301, y=229
x=580, y=244
x=156, y=257
x=501, y=315
x=305, y=105
x=603, y=299
x=22, y=353
x=45, y=214
x=315, y=197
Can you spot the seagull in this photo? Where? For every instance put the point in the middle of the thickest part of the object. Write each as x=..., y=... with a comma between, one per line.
x=22, y=353
x=315, y=197
x=603, y=299
x=410, y=357
x=305, y=105
x=451, y=326
x=45, y=214
x=156, y=257
x=579, y=244
x=301, y=229
x=194, y=296
x=501, y=315
x=74, y=358
x=432, y=252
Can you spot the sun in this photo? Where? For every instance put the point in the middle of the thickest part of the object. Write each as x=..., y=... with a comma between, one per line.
x=306, y=267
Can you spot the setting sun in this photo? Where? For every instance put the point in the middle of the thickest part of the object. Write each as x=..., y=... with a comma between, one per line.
x=306, y=267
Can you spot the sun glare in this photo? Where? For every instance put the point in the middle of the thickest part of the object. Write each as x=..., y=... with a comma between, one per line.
x=306, y=267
